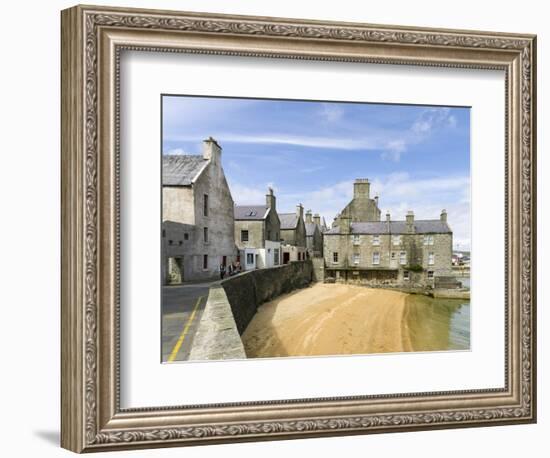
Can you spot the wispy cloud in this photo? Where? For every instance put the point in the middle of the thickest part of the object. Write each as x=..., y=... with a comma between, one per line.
x=248, y=195
x=391, y=144
x=331, y=112
x=334, y=142
x=176, y=152
x=432, y=118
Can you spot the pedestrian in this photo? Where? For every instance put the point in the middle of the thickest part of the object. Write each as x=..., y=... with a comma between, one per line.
x=230, y=269
x=222, y=271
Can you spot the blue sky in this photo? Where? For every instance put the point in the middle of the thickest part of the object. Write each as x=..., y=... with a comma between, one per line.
x=416, y=157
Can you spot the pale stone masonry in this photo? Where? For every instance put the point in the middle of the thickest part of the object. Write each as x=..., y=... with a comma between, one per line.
x=197, y=213
x=314, y=235
x=257, y=234
x=293, y=235
x=361, y=248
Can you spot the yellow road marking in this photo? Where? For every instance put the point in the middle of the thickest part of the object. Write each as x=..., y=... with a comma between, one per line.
x=177, y=347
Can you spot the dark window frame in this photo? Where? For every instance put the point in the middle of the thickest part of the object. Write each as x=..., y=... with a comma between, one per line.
x=205, y=205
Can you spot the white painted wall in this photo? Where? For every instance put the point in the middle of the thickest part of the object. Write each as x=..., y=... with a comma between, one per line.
x=30, y=141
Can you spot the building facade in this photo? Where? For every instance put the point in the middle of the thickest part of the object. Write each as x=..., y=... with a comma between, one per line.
x=197, y=213
x=314, y=236
x=293, y=235
x=257, y=234
x=363, y=249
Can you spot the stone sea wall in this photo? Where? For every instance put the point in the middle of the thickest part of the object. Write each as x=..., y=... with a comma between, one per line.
x=217, y=336
x=247, y=291
x=233, y=302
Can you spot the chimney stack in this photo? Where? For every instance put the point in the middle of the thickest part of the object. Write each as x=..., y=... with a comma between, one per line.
x=410, y=221
x=308, y=217
x=443, y=216
x=270, y=200
x=376, y=201
x=344, y=224
x=300, y=211
x=361, y=188
x=317, y=219
x=211, y=150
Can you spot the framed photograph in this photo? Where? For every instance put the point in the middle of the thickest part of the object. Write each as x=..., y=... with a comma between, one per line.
x=278, y=228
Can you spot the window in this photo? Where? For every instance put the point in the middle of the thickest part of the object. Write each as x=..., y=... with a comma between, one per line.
x=244, y=236
x=164, y=232
x=205, y=261
x=356, y=258
x=396, y=239
x=430, y=274
x=376, y=258
x=170, y=242
x=356, y=239
x=186, y=236
x=180, y=243
x=205, y=234
x=403, y=258
x=268, y=235
x=431, y=259
x=376, y=240
x=335, y=257
x=205, y=205
x=276, y=256
x=249, y=258
x=251, y=213
x=406, y=275
x=428, y=239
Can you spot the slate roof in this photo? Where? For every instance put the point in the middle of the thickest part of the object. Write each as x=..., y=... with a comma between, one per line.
x=250, y=212
x=288, y=220
x=179, y=170
x=310, y=229
x=427, y=226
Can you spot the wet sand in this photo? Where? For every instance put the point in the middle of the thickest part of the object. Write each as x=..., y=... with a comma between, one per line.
x=329, y=319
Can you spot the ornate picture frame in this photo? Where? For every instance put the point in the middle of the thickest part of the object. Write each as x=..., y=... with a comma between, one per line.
x=92, y=41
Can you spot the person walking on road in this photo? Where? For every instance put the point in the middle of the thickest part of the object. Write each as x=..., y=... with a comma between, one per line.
x=222, y=271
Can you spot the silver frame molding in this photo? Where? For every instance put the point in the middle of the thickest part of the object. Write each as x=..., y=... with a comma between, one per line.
x=92, y=40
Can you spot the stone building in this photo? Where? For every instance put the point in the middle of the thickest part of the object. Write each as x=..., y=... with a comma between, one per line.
x=314, y=236
x=362, y=207
x=293, y=235
x=197, y=213
x=361, y=248
x=257, y=234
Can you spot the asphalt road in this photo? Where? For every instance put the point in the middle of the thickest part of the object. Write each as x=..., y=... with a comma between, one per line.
x=182, y=308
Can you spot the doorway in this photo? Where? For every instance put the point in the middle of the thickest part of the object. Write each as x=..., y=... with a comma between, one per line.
x=175, y=275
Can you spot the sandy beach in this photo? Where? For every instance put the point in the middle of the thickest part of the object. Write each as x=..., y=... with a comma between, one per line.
x=329, y=319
